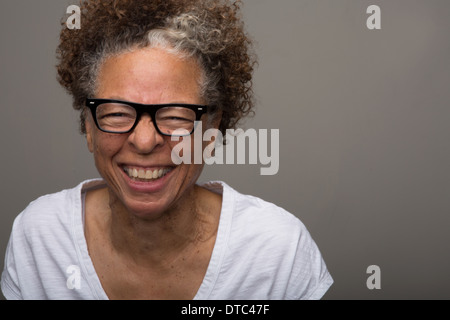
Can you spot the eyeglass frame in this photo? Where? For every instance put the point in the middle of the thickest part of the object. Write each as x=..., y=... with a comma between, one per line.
x=140, y=109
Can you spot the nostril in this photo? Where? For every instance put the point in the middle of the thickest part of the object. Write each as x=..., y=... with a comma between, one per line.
x=145, y=136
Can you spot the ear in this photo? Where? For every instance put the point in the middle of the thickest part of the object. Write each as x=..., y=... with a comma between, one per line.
x=89, y=132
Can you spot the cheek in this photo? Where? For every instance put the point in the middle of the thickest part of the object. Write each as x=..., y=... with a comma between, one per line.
x=187, y=153
x=106, y=146
x=187, y=150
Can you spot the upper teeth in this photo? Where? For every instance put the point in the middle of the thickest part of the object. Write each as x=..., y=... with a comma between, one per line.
x=146, y=174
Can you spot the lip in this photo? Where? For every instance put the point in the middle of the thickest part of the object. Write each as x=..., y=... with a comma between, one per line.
x=150, y=186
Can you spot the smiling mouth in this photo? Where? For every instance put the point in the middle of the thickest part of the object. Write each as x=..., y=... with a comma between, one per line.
x=139, y=174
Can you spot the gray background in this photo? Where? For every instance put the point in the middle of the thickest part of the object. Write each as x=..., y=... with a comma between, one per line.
x=363, y=118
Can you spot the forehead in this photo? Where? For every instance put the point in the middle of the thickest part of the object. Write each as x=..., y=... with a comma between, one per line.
x=149, y=76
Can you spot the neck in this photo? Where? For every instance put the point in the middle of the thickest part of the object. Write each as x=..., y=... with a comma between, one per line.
x=159, y=240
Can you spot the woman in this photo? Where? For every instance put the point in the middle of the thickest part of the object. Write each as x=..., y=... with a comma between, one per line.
x=142, y=72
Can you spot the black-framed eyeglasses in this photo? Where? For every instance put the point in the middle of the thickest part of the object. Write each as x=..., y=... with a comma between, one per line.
x=116, y=116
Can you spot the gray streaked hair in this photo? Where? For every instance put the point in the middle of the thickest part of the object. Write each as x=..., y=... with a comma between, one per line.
x=209, y=31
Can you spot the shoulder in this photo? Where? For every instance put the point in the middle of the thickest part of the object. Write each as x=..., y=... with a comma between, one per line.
x=45, y=209
x=269, y=250
x=256, y=218
x=42, y=245
x=52, y=212
x=47, y=222
x=47, y=214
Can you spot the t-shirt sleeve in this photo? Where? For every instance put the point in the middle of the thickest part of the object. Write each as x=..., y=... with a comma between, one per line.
x=9, y=281
x=309, y=279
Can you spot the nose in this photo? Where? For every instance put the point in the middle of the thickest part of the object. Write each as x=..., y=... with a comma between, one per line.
x=145, y=138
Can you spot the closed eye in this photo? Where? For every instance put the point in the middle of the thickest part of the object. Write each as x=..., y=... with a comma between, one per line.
x=115, y=115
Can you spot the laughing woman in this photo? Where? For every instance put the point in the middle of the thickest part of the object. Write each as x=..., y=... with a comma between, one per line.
x=141, y=72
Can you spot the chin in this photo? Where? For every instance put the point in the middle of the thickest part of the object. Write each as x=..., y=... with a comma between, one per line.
x=145, y=210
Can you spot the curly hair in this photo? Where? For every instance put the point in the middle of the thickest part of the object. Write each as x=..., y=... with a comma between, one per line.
x=210, y=31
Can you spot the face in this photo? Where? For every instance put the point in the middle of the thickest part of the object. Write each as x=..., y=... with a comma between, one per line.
x=146, y=76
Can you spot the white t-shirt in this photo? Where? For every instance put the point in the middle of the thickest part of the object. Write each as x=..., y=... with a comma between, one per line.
x=262, y=252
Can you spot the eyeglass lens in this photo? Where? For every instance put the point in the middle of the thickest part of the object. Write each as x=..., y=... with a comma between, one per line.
x=117, y=117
